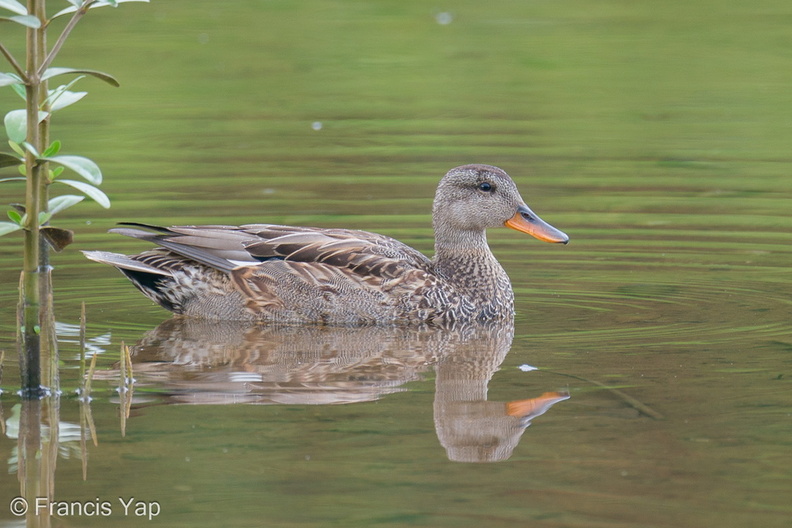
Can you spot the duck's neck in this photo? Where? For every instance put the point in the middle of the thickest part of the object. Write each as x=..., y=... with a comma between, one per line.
x=458, y=244
x=464, y=259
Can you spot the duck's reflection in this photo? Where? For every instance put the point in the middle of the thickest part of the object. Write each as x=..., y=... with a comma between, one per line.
x=202, y=362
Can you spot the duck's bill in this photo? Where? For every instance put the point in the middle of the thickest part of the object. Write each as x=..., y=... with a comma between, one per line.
x=525, y=221
x=534, y=407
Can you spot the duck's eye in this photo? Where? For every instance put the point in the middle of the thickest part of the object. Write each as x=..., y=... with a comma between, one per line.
x=485, y=187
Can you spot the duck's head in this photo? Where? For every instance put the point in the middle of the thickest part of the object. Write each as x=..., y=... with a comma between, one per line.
x=476, y=197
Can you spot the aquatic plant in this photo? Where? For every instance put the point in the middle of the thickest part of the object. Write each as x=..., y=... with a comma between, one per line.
x=41, y=164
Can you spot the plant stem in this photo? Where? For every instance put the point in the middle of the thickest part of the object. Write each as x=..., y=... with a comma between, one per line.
x=43, y=142
x=81, y=11
x=30, y=302
x=10, y=58
x=36, y=299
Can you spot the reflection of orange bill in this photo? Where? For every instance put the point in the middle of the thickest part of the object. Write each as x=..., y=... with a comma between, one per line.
x=535, y=406
x=525, y=221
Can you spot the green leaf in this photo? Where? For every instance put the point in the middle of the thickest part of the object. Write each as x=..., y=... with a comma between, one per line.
x=66, y=98
x=59, y=203
x=100, y=3
x=44, y=217
x=70, y=83
x=15, y=217
x=8, y=227
x=53, y=149
x=30, y=148
x=14, y=7
x=82, y=166
x=57, y=171
x=7, y=79
x=90, y=191
x=54, y=97
x=16, y=147
x=26, y=20
x=20, y=91
x=18, y=178
x=16, y=125
x=9, y=160
x=106, y=77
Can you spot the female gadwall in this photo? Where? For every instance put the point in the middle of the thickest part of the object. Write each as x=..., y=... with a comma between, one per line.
x=262, y=272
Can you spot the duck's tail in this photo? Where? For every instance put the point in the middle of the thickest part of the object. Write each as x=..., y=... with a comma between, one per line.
x=155, y=283
x=124, y=263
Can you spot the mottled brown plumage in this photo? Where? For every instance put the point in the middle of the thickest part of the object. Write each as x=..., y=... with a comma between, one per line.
x=339, y=276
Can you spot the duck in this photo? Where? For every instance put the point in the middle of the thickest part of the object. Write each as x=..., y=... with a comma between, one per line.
x=286, y=274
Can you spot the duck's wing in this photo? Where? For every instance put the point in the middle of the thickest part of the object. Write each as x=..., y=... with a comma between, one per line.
x=226, y=248
x=216, y=246
x=334, y=275
x=291, y=273
x=357, y=252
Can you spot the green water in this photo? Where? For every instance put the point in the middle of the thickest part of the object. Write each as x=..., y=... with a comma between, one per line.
x=656, y=135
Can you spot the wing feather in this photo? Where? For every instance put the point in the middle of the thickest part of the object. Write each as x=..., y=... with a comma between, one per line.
x=225, y=248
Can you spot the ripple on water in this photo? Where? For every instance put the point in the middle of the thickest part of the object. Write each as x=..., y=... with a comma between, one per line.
x=626, y=294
